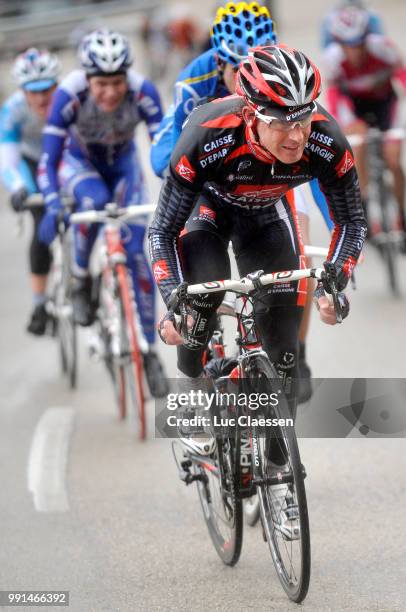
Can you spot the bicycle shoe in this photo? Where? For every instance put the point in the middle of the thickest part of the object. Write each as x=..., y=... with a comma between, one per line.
x=38, y=322
x=83, y=311
x=155, y=374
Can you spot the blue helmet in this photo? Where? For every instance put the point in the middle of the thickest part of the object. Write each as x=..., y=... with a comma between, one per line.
x=239, y=26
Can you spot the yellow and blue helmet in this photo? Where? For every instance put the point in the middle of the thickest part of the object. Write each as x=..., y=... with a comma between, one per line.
x=239, y=26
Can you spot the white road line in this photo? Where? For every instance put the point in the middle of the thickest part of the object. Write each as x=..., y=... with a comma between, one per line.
x=48, y=460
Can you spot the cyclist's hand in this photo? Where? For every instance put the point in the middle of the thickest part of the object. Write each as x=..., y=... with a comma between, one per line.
x=326, y=310
x=168, y=331
x=325, y=305
x=18, y=198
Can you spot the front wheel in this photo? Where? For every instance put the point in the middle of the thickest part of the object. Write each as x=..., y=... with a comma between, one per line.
x=279, y=477
x=131, y=365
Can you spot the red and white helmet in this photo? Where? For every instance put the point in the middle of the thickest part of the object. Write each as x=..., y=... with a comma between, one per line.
x=349, y=25
x=281, y=80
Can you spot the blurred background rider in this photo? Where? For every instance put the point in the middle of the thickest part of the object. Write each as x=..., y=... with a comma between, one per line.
x=365, y=73
x=22, y=119
x=91, y=129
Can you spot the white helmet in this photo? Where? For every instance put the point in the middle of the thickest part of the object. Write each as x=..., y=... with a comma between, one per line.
x=105, y=52
x=349, y=25
x=36, y=70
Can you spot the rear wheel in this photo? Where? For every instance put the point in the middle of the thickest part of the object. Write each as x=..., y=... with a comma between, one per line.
x=222, y=511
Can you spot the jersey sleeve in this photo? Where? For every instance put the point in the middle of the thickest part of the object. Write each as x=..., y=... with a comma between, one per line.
x=178, y=194
x=149, y=103
x=62, y=113
x=338, y=181
x=162, y=144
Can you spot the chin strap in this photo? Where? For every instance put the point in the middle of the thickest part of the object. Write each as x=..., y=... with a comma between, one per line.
x=252, y=139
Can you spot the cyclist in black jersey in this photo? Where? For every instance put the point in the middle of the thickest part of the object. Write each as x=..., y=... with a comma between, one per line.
x=233, y=165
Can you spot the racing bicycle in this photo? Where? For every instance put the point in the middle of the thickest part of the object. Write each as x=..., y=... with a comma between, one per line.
x=59, y=304
x=121, y=342
x=382, y=207
x=243, y=460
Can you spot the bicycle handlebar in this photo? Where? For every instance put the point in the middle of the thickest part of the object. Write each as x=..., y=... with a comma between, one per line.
x=257, y=280
x=120, y=215
x=36, y=200
x=374, y=133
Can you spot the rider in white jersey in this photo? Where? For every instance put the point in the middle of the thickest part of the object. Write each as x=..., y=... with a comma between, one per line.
x=22, y=119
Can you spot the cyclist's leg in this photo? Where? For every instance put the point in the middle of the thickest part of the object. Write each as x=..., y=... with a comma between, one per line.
x=203, y=254
x=39, y=256
x=81, y=181
x=130, y=189
x=271, y=245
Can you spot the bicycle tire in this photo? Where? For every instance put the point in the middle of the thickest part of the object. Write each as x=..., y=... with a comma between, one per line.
x=67, y=338
x=228, y=546
x=65, y=326
x=387, y=248
x=293, y=574
x=389, y=256
x=109, y=306
x=133, y=366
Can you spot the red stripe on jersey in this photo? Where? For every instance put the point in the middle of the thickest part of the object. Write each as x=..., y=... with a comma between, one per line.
x=238, y=153
x=302, y=284
x=290, y=197
x=334, y=239
x=226, y=121
x=262, y=191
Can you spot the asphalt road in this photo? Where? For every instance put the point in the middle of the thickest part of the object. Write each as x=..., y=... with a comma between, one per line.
x=122, y=533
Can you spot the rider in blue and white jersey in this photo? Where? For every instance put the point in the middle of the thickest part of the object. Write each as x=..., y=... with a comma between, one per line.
x=236, y=28
x=22, y=119
x=89, y=150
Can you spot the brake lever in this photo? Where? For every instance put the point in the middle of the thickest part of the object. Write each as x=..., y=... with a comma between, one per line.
x=331, y=281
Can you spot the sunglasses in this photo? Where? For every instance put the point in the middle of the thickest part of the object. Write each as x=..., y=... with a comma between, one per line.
x=284, y=126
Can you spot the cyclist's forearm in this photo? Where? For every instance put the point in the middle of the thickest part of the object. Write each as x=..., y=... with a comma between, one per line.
x=174, y=207
x=10, y=166
x=350, y=227
x=48, y=168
